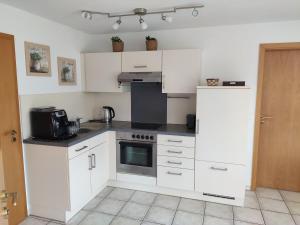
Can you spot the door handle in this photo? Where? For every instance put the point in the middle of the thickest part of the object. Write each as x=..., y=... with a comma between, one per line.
x=266, y=117
x=172, y=173
x=197, y=126
x=4, y=195
x=175, y=163
x=175, y=152
x=90, y=162
x=93, y=161
x=140, y=66
x=217, y=168
x=175, y=141
x=13, y=135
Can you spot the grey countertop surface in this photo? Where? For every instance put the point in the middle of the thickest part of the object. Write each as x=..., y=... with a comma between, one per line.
x=95, y=128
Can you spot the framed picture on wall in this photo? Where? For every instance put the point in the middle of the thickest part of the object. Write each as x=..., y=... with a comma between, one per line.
x=38, y=61
x=67, y=74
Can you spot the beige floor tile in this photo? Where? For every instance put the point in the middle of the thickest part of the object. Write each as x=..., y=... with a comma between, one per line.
x=190, y=205
x=166, y=201
x=297, y=219
x=134, y=211
x=274, y=218
x=78, y=218
x=93, y=203
x=96, y=218
x=121, y=194
x=273, y=205
x=268, y=193
x=218, y=210
x=125, y=221
x=251, y=202
x=160, y=215
x=186, y=218
x=105, y=192
x=141, y=197
x=209, y=220
x=248, y=215
x=34, y=221
x=291, y=196
x=110, y=206
x=250, y=193
x=243, y=223
x=294, y=207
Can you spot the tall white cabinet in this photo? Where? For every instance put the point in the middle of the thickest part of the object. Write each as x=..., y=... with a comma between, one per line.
x=221, y=143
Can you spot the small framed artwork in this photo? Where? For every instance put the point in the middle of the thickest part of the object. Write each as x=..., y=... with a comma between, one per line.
x=38, y=61
x=67, y=74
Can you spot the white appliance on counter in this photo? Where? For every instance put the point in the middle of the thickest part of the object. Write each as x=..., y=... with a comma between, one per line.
x=221, y=143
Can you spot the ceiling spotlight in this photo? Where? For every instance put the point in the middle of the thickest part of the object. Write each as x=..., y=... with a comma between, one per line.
x=116, y=25
x=86, y=15
x=144, y=25
x=168, y=19
x=195, y=12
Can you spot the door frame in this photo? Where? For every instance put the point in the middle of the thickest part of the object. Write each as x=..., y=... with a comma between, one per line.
x=19, y=136
x=263, y=48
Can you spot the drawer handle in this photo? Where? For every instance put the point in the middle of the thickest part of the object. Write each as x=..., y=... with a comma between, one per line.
x=176, y=152
x=172, y=173
x=176, y=163
x=140, y=66
x=90, y=163
x=219, y=169
x=80, y=149
x=176, y=141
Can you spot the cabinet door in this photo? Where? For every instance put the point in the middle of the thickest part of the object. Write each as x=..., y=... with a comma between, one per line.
x=100, y=170
x=143, y=61
x=101, y=71
x=223, y=124
x=181, y=70
x=80, y=180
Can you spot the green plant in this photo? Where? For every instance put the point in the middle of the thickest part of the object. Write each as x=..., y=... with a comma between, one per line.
x=116, y=39
x=66, y=70
x=35, y=56
x=149, y=38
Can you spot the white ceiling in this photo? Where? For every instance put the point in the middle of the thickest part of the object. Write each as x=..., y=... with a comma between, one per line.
x=216, y=12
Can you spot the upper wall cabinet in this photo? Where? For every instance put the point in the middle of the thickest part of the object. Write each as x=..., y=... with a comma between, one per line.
x=181, y=70
x=102, y=70
x=142, y=61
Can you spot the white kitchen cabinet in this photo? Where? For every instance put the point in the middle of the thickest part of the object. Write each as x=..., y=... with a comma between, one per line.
x=223, y=116
x=61, y=180
x=142, y=61
x=99, y=163
x=181, y=70
x=101, y=71
x=80, y=183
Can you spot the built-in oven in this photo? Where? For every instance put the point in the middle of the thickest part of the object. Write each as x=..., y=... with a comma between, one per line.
x=136, y=153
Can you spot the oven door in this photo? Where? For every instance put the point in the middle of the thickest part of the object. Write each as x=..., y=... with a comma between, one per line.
x=136, y=157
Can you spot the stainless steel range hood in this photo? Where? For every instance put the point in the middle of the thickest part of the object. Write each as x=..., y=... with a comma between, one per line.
x=142, y=77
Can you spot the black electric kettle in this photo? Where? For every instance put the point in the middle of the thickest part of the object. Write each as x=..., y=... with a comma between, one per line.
x=109, y=114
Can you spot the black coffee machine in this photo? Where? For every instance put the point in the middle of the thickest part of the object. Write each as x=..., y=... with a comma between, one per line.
x=51, y=123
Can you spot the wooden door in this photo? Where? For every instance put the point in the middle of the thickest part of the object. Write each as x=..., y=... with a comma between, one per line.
x=11, y=158
x=279, y=138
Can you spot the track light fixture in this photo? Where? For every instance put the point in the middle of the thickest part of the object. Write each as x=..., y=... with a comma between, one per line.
x=142, y=12
x=143, y=24
x=165, y=18
x=117, y=24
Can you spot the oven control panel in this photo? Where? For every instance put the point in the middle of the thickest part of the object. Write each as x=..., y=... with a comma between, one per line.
x=137, y=136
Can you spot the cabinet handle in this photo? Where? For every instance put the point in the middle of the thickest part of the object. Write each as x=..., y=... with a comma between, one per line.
x=163, y=82
x=90, y=162
x=217, y=168
x=93, y=161
x=172, y=173
x=140, y=66
x=176, y=141
x=176, y=163
x=197, y=126
x=80, y=149
x=176, y=152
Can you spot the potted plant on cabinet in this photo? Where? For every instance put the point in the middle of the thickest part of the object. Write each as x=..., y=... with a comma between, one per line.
x=151, y=43
x=117, y=44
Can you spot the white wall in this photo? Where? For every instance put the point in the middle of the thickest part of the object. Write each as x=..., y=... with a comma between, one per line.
x=63, y=41
x=229, y=52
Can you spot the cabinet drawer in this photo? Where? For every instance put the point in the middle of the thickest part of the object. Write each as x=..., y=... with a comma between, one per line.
x=175, y=162
x=77, y=149
x=220, y=179
x=98, y=140
x=174, y=140
x=175, y=151
x=175, y=178
x=142, y=61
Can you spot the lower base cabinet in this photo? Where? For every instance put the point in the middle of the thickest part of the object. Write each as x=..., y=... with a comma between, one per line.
x=220, y=180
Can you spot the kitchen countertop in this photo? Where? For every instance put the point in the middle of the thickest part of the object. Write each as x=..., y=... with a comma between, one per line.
x=96, y=128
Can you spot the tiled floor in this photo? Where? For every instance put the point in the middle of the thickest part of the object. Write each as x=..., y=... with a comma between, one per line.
x=116, y=206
